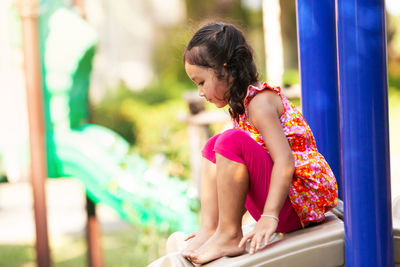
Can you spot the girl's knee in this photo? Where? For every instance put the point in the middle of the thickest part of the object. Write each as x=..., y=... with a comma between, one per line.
x=230, y=144
x=208, y=149
x=209, y=146
x=231, y=138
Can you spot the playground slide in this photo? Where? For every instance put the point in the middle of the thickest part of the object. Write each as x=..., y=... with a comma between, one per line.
x=141, y=194
x=316, y=246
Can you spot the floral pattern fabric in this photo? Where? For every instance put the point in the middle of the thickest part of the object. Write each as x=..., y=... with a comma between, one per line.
x=313, y=191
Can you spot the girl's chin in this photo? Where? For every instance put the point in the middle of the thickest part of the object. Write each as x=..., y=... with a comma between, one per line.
x=220, y=104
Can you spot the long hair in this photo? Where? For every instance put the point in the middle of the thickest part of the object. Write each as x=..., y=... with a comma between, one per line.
x=216, y=44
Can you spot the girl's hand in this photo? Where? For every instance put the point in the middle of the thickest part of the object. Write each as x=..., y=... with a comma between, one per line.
x=264, y=228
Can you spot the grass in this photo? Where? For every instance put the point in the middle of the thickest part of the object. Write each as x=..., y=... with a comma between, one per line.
x=122, y=248
x=16, y=255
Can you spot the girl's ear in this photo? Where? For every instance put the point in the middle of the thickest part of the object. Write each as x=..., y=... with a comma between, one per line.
x=226, y=74
x=225, y=70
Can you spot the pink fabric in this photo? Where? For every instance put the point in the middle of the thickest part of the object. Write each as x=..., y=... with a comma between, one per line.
x=238, y=146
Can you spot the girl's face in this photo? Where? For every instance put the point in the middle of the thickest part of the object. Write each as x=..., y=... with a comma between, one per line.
x=209, y=86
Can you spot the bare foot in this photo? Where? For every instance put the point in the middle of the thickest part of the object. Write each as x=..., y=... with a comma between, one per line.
x=196, y=241
x=219, y=245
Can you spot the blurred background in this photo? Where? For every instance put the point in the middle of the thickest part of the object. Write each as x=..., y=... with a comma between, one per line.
x=123, y=123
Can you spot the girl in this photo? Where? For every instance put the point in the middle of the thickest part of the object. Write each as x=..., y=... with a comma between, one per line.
x=268, y=163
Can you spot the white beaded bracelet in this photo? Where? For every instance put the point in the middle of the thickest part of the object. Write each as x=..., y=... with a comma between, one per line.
x=270, y=216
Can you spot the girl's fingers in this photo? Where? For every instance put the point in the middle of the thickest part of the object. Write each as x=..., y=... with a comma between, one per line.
x=252, y=246
x=258, y=242
x=245, y=239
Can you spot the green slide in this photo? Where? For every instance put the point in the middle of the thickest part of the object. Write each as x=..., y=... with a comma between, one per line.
x=139, y=193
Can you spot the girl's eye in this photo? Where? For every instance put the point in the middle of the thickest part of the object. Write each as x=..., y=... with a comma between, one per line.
x=201, y=83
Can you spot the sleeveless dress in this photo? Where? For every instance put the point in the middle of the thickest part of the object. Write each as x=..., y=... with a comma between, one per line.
x=313, y=190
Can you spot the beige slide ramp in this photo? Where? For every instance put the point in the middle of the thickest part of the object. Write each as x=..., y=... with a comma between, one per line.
x=319, y=246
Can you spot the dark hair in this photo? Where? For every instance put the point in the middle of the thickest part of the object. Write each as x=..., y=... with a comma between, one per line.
x=218, y=43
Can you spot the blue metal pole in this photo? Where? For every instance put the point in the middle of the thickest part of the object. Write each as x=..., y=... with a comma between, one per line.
x=316, y=29
x=364, y=132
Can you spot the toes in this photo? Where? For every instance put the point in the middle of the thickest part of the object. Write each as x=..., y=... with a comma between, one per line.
x=193, y=257
x=188, y=254
x=195, y=261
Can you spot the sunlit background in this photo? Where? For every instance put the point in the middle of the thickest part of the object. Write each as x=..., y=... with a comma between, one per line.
x=146, y=124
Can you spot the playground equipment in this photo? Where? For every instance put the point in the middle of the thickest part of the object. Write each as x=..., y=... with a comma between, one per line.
x=365, y=175
x=365, y=133
x=359, y=157
x=36, y=140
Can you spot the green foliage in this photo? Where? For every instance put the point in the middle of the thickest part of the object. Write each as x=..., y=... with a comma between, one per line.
x=148, y=120
x=3, y=178
x=108, y=114
x=290, y=77
x=198, y=10
x=158, y=92
x=171, y=78
x=394, y=77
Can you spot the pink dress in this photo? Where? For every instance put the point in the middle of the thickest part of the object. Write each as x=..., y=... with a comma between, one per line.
x=313, y=191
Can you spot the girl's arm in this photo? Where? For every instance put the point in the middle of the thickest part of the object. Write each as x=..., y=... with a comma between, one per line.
x=265, y=110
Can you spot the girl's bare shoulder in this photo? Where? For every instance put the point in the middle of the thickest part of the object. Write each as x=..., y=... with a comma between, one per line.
x=265, y=102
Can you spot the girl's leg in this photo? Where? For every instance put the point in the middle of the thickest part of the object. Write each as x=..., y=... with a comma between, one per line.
x=208, y=200
x=232, y=184
x=243, y=176
x=240, y=147
x=208, y=197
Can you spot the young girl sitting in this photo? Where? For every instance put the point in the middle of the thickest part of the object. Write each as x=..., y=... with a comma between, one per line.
x=267, y=164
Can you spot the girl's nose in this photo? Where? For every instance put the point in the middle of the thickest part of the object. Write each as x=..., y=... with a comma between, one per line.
x=201, y=93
